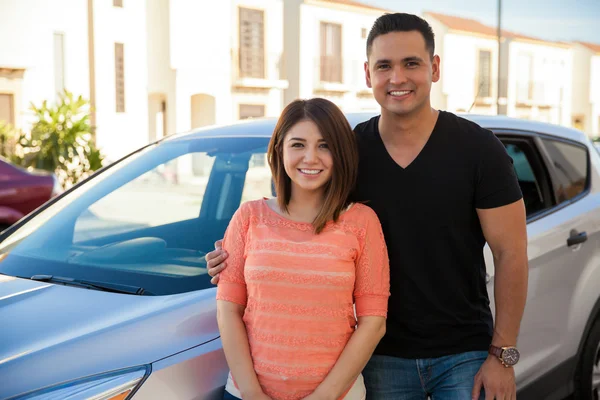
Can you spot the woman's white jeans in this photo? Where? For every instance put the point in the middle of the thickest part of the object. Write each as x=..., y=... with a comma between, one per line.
x=357, y=392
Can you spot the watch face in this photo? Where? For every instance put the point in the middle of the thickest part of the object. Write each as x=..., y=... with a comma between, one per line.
x=510, y=356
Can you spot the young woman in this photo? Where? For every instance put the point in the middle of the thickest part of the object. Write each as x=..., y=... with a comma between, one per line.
x=302, y=268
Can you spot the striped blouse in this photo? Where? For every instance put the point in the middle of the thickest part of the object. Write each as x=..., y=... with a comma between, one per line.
x=300, y=289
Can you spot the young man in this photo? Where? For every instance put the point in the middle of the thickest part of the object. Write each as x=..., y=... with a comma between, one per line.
x=442, y=187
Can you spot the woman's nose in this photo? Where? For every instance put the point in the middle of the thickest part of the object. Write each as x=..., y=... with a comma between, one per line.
x=310, y=155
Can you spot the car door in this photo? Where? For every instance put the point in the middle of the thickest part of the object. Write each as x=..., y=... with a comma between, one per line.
x=554, y=178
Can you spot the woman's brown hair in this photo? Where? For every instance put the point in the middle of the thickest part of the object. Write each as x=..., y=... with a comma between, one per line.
x=338, y=135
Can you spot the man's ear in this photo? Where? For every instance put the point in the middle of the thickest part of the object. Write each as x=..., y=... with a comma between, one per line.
x=435, y=68
x=367, y=75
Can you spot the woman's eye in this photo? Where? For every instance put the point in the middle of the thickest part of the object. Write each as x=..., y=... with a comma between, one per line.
x=297, y=145
x=324, y=146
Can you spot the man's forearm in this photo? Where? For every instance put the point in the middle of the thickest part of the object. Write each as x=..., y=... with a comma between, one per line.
x=510, y=294
x=353, y=359
x=237, y=351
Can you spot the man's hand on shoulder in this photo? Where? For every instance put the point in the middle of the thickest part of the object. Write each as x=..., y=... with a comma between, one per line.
x=497, y=380
x=215, y=261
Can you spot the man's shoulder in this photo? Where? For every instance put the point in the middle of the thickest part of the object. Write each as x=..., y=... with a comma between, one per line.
x=465, y=128
x=366, y=128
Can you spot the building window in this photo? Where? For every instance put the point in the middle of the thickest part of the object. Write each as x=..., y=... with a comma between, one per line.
x=117, y=3
x=251, y=111
x=363, y=33
x=331, y=52
x=59, y=62
x=7, y=111
x=120, y=77
x=524, y=75
x=252, y=43
x=484, y=74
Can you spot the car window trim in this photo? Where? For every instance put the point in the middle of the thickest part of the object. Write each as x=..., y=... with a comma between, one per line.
x=538, y=166
x=537, y=138
x=587, y=154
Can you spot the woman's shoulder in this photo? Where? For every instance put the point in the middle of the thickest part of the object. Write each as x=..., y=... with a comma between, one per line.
x=249, y=208
x=361, y=214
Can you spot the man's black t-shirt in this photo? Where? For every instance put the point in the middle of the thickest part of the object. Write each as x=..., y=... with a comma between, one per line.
x=439, y=303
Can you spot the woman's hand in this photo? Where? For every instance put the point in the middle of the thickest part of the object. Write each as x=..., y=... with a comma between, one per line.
x=318, y=396
x=256, y=396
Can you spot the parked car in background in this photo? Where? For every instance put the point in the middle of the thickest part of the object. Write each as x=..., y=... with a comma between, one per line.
x=104, y=290
x=22, y=191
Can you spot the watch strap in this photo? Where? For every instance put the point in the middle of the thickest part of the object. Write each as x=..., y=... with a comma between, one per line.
x=496, y=351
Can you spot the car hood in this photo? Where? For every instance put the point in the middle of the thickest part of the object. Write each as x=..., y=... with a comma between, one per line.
x=57, y=333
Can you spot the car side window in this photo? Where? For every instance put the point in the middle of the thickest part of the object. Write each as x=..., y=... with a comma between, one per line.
x=258, y=183
x=570, y=164
x=530, y=174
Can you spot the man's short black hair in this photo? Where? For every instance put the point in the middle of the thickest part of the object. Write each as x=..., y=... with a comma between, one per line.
x=401, y=22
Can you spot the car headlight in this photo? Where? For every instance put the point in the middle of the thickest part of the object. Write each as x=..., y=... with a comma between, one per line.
x=118, y=385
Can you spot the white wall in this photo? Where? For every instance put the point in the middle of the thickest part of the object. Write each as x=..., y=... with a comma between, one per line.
x=459, y=71
x=595, y=95
x=582, y=63
x=291, y=48
x=120, y=133
x=551, y=68
x=161, y=77
x=439, y=98
x=27, y=30
x=201, y=53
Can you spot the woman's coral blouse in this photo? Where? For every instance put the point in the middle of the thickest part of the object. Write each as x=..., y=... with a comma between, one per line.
x=299, y=290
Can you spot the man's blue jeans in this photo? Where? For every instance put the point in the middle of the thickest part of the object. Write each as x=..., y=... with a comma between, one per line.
x=444, y=378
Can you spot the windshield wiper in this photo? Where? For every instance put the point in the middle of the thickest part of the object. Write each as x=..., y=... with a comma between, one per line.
x=104, y=286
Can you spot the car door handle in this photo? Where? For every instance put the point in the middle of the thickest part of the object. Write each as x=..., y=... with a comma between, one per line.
x=576, y=238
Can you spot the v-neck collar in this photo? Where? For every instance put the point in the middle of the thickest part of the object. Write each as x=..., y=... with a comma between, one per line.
x=423, y=150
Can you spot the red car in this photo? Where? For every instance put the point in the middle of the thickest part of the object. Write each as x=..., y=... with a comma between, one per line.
x=22, y=191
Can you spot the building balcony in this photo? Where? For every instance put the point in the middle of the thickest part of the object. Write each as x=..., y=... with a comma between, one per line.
x=258, y=71
x=337, y=74
x=540, y=94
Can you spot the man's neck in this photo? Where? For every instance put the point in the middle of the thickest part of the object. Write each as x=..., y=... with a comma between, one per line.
x=413, y=128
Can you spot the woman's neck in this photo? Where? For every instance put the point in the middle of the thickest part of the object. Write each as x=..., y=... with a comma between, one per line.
x=305, y=206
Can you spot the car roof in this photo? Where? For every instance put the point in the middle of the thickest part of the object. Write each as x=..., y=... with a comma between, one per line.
x=263, y=127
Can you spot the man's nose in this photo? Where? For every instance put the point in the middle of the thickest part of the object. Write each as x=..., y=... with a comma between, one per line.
x=398, y=75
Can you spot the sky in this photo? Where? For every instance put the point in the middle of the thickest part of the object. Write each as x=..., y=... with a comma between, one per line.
x=555, y=20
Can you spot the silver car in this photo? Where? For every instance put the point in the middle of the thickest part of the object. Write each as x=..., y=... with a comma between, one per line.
x=104, y=292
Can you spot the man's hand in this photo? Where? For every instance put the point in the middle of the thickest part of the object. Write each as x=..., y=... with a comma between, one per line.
x=497, y=381
x=215, y=261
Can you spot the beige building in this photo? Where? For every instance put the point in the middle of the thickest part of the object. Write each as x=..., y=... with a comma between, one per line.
x=325, y=50
x=533, y=81
x=586, y=96
x=92, y=48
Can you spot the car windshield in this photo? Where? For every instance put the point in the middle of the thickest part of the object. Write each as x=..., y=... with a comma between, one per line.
x=147, y=221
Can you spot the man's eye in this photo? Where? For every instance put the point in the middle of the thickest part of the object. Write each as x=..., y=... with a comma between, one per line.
x=412, y=64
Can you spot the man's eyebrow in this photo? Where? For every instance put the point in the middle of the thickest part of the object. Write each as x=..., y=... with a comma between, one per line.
x=412, y=58
x=384, y=61
x=405, y=59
